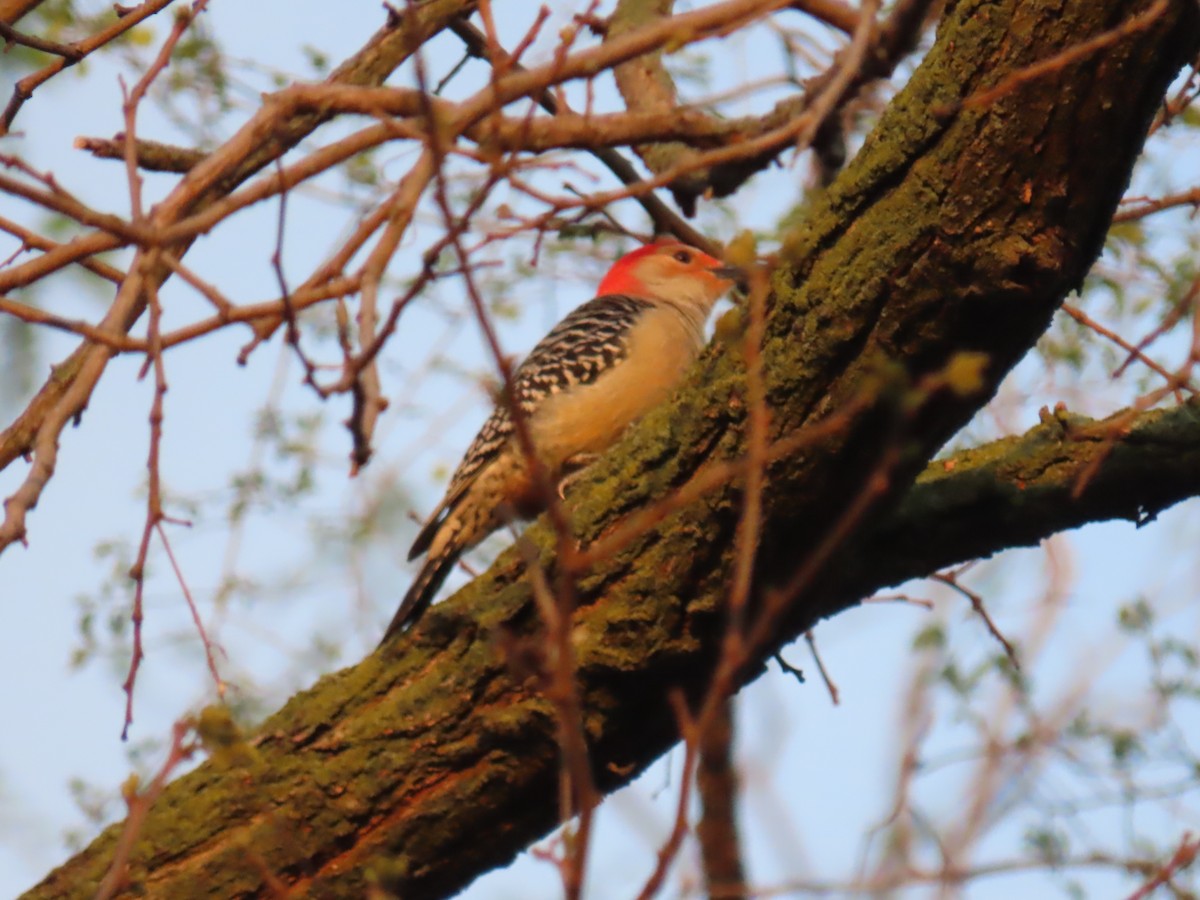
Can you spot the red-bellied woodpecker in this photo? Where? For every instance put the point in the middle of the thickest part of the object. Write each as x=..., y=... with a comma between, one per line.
x=602, y=367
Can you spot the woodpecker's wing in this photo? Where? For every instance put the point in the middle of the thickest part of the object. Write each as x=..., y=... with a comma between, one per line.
x=578, y=350
x=491, y=438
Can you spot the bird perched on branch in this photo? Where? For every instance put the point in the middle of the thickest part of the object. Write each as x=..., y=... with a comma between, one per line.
x=601, y=368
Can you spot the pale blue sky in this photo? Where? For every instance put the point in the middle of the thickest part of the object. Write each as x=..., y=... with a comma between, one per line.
x=815, y=774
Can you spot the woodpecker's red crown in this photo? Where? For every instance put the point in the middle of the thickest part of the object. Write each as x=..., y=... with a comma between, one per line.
x=662, y=267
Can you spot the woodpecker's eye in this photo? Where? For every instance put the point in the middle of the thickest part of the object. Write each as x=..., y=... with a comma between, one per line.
x=683, y=256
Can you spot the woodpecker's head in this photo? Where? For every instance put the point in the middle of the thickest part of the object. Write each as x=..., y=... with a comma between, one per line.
x=671, y=272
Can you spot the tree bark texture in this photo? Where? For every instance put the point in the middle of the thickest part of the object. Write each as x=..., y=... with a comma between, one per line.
x=959, y=227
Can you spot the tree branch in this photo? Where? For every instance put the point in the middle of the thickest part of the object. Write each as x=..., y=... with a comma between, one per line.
x=1018, y=491
x=947, y=234
x=12, y=10
x=65, y=395
x=1012, y=492
x=665, y=221
x=648, y=88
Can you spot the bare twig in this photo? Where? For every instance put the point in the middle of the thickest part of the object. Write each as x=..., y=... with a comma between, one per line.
x=154, y=511
x=26, y=86
x=180, y=751
x=144, y=263
x=36, y=430
x=1134, y=208
x=709, y=479
x=32, y=239
x=679, y=829
x=716, y=783
x=1173, y=380
x=832, y=12
x=69, y=52
x=834, y=694
x=34, y=316
x=665, y=220
x=1060, y=61
x=1185, y=854
x=950, y=579
x=758, y=424
x=151, y=155
x=209, y=655
x=1186, y=303
x=562, y=689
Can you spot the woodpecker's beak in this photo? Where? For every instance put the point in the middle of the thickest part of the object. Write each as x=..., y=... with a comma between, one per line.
x=736, y=274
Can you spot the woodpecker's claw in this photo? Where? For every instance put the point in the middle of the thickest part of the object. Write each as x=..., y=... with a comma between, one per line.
x=572, y=469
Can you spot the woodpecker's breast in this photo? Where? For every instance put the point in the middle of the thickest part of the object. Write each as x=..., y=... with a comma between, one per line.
x=646, y=365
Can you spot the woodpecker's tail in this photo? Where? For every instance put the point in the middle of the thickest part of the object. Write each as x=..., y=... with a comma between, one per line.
x=421, y=592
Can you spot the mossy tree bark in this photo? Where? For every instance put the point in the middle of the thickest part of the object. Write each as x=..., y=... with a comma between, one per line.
x=959, y=227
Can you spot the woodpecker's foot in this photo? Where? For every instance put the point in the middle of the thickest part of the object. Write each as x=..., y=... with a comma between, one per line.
x=572, y=469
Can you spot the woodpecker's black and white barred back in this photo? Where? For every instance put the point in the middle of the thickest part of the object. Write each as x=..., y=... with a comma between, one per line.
x=601, y=368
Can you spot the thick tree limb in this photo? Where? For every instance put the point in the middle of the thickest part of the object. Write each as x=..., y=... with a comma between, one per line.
x=1009, y=493
x=956, y=229
x=1067, y=472
x=648, y=88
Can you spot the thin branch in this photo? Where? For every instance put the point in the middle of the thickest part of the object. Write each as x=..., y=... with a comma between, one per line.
x=839, y=15
x=1174, y=381
x=151, y=155
x=562, y=689
x=12, y=10
x=61, y=398
x=1185, y=854
x=665, y=220
x=58, y=200
x=1064, y=58
x=38, y=242
x=1186, y=303
x=716, y=783
x=68, y=52
x=34, y=316
x=154, y=510
x=758, y=434
x=950, y=579
x=810, y=639
x=26, y=86
x=709, y=479
x=140, y=804
x=679, y=829
x=209, y=655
